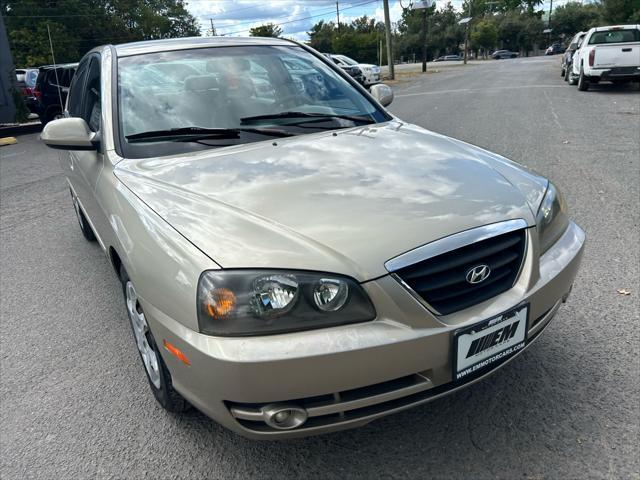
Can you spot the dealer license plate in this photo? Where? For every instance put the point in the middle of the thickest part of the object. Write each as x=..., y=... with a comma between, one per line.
x=479, y=346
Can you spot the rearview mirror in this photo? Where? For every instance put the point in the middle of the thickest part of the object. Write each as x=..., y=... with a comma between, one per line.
x=382, y=93
x=69, y=134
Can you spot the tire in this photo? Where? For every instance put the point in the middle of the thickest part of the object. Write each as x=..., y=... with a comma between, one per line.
x=573, y=80
x=563, y=72
x=156, y=370
x=583, y=82
x=85, y=228
x=567, y=72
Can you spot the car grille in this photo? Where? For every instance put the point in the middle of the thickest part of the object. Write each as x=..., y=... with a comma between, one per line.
x=441, y=280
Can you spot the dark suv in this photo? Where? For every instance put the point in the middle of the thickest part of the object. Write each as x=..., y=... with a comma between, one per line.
x=52, y=87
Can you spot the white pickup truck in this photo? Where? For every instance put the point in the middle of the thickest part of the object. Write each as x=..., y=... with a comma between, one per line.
x=607, y=54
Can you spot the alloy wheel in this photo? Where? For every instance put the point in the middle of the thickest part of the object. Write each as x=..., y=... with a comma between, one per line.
x=141, y=332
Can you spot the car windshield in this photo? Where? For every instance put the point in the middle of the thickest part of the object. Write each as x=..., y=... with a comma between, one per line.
x=171, y=102
x=615, y=36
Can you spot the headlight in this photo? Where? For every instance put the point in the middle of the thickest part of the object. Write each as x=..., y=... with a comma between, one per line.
x=552, y=219
x=260, y=302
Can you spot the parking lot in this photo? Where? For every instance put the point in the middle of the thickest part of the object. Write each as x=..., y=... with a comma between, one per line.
x=75, y=402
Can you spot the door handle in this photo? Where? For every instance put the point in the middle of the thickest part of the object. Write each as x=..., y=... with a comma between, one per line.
x=626, y=49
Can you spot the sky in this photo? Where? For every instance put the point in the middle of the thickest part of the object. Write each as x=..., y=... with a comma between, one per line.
x=236, y=17
x=295, y=17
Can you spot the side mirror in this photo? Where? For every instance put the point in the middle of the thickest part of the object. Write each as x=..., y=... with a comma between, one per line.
x=382, y=93
x=69, y=134
x=573, y=46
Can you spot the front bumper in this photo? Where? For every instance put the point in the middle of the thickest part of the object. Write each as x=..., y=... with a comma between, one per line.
x=350, y=375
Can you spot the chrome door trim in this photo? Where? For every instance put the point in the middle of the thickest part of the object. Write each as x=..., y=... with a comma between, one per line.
x=453, y=242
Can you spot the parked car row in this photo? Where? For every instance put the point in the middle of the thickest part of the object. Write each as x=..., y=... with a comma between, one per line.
x=45, y=89
x=364, y=73
x=609, y=54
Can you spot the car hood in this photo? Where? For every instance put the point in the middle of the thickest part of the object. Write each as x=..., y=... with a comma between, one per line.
x=344, y=201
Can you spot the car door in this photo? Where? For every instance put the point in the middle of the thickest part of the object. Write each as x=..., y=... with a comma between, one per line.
x=87, y=165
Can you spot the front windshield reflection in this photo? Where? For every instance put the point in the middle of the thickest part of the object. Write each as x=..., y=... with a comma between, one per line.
x=215, y=88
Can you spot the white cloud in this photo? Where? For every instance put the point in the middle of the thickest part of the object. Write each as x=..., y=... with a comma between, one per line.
x=236, y=17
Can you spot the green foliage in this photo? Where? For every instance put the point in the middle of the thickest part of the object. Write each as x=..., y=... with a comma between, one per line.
x=519, y=32
x=79, y=25
x=359, y=39
x=484, y=35
x=572, y=17
x=444, y=35
x=266, y=30
x=321, y=36
x=621, y=11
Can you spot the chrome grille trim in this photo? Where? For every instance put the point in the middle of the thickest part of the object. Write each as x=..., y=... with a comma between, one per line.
x=434, y=278
x=453, y=242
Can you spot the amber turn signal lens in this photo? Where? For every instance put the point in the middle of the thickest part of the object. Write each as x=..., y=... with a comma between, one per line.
x=176, y=352
x=220, y=302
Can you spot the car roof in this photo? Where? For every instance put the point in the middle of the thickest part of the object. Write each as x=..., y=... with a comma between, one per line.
x=153, y=46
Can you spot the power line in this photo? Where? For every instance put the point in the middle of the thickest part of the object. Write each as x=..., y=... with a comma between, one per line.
x=305, y=18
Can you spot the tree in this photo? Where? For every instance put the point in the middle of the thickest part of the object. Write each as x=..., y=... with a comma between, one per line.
x=484, y=35
x=621, y=11
x=266, y=30
x=519, y=32
x=321, y=35
x=79, y=25
x=573, y=17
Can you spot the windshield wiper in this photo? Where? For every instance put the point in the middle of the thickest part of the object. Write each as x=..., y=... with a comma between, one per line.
x=187, y=134
x=313, y=116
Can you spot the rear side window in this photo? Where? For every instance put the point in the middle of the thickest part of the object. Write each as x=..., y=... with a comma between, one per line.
x=615, y=36
x=74, y=105
x=30, y=78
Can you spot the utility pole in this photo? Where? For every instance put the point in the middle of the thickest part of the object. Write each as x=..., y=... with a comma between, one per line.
x=466, y=21
x=424, y=40
x=338, y=15
x=387, y=28
x=213, y=30
x=550, y=10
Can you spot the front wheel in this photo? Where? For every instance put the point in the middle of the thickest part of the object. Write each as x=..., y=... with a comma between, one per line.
x=583, y=82
x=155, y=368
x=562, y=72
x=567, y=72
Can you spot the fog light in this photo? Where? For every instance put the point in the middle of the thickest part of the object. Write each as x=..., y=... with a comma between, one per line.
x=284, y=416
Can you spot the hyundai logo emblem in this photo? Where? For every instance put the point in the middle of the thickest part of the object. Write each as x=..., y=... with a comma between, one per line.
x=478, y=274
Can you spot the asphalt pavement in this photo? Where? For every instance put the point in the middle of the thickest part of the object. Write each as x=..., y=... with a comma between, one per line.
x=74, y=402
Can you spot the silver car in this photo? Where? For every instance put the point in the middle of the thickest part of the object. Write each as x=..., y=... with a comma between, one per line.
x=302, y=262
